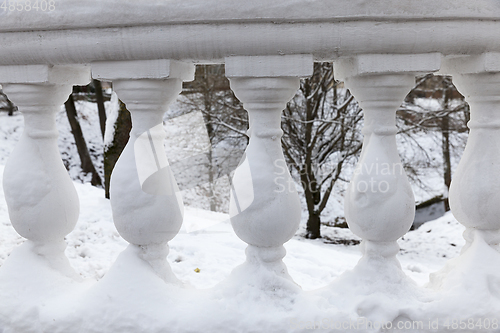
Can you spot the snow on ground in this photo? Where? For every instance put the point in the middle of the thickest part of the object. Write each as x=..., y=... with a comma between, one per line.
x=206, y=259
x=95, y=244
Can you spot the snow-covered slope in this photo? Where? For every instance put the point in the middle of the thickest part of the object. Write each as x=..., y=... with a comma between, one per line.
x=202, y=259
x=121, y=294
x=94, y=244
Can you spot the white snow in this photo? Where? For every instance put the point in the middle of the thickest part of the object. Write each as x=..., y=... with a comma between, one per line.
x=94, y=245
x=97, y=13
x=121, y=293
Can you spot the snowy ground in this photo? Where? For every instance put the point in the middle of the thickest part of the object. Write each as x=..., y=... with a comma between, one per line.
x=205, y=260
x=94, y=244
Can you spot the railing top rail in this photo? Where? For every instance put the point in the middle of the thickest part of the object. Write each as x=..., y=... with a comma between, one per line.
x=207, y=31
x=76, y=14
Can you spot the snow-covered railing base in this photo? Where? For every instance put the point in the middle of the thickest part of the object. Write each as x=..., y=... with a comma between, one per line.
x=378, y=49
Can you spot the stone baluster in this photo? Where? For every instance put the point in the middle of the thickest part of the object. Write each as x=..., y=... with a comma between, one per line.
x=379, y=202
x=146, y=202
x=264, y=206
x=474, y=194
x=42, y=200
x=472, y=279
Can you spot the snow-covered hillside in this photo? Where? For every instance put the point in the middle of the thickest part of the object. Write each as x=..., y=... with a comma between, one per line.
x=95, y=244
x=203, y=260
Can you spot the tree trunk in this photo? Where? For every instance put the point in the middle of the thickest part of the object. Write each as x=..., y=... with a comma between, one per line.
x=122, y=126
x=11, y=107
x=100, y=105
x=207, y=96
x=313, y=198
x=211, y=180
x=445, y=131
x=86, y=162
x=313, y=225
x=467, y=117
x=446, y=158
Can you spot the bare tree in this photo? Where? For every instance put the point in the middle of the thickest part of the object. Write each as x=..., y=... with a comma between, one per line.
x=321, y=135
x=6, y=104
x=85, y=159
x=100, y=105
x=225, y=121
x=122, y=128
x=447, y=116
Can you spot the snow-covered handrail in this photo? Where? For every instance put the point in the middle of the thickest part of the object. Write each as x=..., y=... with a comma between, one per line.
x=208, y=31
x=147, y=49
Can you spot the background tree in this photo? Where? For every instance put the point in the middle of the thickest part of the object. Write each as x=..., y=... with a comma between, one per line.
x=436, y=108
x=85, y=160
x=226, y=123
x=100, y=105
x=322, y=134
x=122, y=125
x=6, y=104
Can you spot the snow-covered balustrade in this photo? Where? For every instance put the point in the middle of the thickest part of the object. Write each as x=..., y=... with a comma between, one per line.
x=146, y=203
x=261, y=215
x=147, y=49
